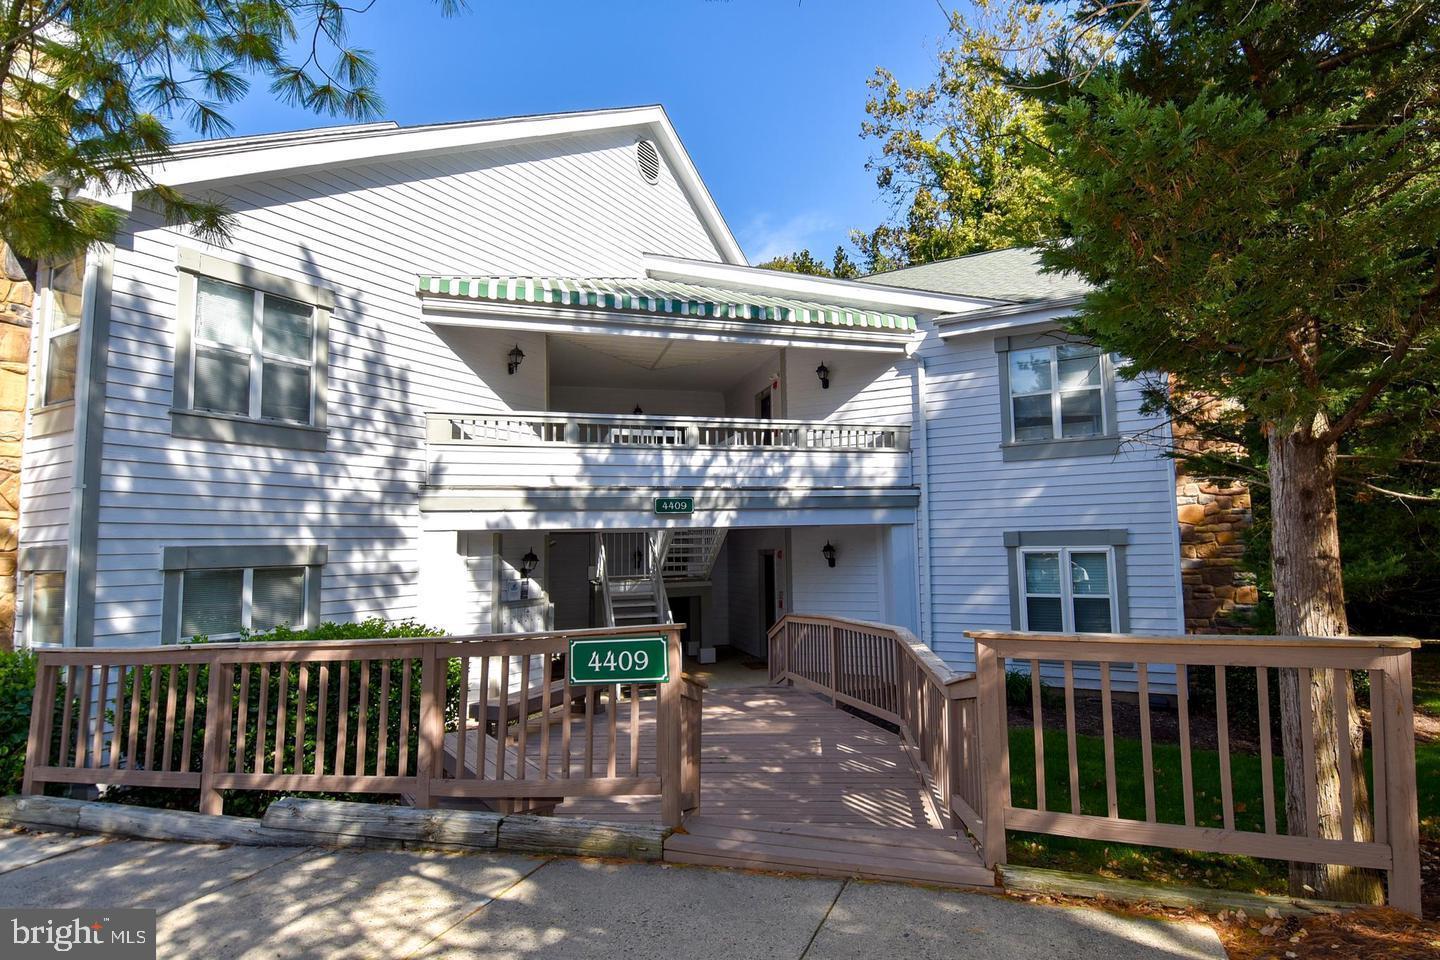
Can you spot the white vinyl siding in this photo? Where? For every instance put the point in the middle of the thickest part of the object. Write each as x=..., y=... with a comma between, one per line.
x=567, y=207
x=977, y=496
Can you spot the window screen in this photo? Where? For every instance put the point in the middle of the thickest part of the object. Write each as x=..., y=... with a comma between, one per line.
x=278, y=598
x=212, y=603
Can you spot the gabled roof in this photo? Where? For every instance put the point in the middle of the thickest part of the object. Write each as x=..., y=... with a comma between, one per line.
x=200, y=164
x=1012, y=275
x=649, y=296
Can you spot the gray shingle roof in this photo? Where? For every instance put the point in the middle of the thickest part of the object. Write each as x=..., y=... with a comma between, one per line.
x=1012, y=275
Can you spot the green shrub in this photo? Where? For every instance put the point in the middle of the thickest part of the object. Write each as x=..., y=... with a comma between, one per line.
x=253, y=803
x=17, y=686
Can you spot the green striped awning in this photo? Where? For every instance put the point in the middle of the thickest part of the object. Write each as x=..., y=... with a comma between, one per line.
x=659, y=297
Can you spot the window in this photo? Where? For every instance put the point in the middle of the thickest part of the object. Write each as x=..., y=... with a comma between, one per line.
x=251, y=356
x=64, y=305
x=222, y=603
x=46, y=608
x=1068, y=591
x=220, y=592
x=1057, y=398
x=254, y=353
x=1057, y=391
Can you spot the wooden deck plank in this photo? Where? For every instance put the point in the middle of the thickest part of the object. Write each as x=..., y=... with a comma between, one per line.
x=788, y=783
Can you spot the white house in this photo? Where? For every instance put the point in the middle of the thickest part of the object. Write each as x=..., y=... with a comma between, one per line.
x=516, y=374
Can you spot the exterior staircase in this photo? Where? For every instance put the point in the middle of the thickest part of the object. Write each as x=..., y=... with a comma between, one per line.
x=631, y=570
x=692, y=553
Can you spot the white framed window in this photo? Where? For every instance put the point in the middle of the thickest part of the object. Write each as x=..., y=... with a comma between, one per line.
x=1057, y=392
x=45, y=608
x=223, y=603
x=63, y=311
x=1068, y=590
x=254, y=353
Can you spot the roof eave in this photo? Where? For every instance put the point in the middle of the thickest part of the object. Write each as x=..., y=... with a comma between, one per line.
x=282, y=154
x=828, y=289
x=1007, y=316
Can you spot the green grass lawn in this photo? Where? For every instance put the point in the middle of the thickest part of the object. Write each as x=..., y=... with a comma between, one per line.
x=1134, y=862
x=1153, y=864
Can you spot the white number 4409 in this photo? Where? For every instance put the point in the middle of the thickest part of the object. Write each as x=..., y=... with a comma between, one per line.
x=624, y=661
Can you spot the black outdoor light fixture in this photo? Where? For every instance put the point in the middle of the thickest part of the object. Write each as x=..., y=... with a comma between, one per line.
x=829, y=552
x=637, y=409
x=528, y=563
x=516, y=356
x=823, y=372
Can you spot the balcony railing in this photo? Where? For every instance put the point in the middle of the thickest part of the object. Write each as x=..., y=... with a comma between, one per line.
x=554, y=429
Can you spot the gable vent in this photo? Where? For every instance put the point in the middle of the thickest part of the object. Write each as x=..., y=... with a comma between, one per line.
x=649, y=160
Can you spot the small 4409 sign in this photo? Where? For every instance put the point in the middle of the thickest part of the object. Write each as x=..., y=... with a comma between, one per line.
x=619, y=660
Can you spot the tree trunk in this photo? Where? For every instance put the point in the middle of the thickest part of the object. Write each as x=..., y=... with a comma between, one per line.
x=1310, y=601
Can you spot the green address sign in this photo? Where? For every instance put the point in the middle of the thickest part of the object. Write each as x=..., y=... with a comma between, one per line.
x=671, y=506
x=619, y=660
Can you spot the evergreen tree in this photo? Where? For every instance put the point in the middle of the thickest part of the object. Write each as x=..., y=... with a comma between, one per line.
x=89, y=86
x=1253, y=186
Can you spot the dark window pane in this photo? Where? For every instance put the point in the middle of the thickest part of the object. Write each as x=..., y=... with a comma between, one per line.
x=1043, y=613
x=1080, y=414
x=222, y=381
x=1090, y=574
x=1092, y=615
x=285, y=392
x=1032, y=418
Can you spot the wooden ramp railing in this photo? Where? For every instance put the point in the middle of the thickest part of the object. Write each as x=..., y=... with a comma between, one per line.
x=1382, y=793
x=362, y=717
x=959, y=727
x=886, y=672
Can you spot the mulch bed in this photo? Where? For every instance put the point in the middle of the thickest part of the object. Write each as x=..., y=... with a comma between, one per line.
x=1377, y=932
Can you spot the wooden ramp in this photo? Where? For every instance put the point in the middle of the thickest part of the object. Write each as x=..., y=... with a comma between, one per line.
x=790, y=783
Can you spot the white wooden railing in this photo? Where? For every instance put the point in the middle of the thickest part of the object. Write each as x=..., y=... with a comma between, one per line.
x=547, y=429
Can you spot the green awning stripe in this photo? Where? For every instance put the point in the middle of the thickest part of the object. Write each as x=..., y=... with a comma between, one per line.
x=661, y=297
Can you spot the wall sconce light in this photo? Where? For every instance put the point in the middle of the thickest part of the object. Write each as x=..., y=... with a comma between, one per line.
x=823, y=372
x=637, y=411
x=829, y=552
x=528, y=563
x=516, y=357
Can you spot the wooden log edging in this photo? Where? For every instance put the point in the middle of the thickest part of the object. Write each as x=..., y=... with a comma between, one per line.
x=332, y=823
x=1062, y=883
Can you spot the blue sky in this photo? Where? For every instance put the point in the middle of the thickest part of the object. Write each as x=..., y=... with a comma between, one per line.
x=767, y=95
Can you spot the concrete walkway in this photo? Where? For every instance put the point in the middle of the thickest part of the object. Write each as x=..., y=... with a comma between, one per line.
x=221, y=902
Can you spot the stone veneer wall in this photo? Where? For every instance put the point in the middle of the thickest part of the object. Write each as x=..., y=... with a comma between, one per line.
x=1214, y=516
x=17, y=297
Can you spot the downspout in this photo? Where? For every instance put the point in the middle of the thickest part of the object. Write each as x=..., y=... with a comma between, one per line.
x=920, y=441
x=92, y=360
